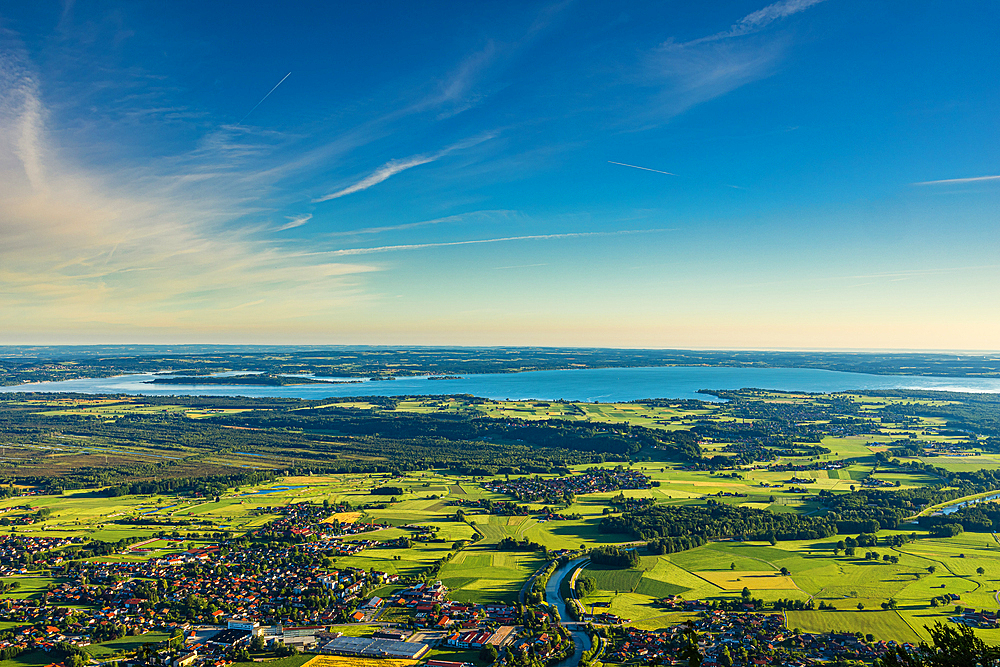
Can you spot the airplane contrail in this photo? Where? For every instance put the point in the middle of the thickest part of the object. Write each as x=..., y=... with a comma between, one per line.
x=643, y=168
x=265, y=97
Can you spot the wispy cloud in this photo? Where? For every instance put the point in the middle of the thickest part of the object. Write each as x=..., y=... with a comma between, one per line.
x=707, y=67
x=760, y=19
x=469, y=83
x=113, y=252
x=390, y=169
x=505, y=239
x=460, y=217
x=953, y=181
x=296, y=221
x=386, y=171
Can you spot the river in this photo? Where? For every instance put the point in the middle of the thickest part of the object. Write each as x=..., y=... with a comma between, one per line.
x=581, y=641
x=596, y=384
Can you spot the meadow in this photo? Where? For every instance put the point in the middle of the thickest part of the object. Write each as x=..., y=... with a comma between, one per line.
x=475, y=570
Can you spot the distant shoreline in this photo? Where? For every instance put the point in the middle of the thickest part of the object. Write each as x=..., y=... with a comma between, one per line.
x=256, y=379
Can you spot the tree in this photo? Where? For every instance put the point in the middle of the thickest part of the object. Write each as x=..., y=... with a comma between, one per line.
x=732, y=566
x=861, y=606
x=931, y=569
x=746, y=593
x=952, y=646
x=784, y=572
x=980, y=571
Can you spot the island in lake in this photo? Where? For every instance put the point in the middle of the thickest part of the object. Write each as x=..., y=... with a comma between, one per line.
x=259, y=379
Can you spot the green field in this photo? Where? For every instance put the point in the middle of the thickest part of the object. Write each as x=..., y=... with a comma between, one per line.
x=126, y=644
x=476, y=571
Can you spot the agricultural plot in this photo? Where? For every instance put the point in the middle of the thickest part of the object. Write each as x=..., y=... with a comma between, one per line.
x=110, y=648
x=754, y=580
x=478, y=572
x=482, y=576
x=32, y=659
x=883, y=625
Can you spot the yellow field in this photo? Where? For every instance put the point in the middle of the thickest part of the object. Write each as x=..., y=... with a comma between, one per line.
x=347, y=661
x=343, y=517
x=755, y=581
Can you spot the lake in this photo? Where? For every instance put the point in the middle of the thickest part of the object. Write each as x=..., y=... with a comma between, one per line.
x=598, y=384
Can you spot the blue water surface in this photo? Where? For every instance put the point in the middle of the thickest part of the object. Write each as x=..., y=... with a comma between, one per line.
x=597, y=384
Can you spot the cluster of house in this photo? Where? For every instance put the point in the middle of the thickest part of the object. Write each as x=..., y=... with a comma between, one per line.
x=17, y=519
x=255, y=582
x=477, y=638
x=16, y=549
x=953, y=448
x=727, y=638
x=42, y=628
x=986, y=620
x=540, y=647
x=876, y=483
x=111, y=593
x=538, y=489
x=304, y=520
x=47, y=627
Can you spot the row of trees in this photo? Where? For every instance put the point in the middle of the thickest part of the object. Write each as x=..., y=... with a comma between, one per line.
x=716, y=520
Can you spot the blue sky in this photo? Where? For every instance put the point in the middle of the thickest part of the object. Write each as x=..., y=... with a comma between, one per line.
x=804, y=174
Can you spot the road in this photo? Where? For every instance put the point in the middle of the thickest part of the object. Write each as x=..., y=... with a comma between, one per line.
x=581, y=640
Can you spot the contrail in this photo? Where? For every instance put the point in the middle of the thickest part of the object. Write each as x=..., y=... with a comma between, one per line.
x=643, y=168
x=974, y=179
x=265, y=97
x=446, y=244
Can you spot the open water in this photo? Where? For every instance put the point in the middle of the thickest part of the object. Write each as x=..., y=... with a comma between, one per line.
x=598, y=384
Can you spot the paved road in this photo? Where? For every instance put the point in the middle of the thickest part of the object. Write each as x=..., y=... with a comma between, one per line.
x=580, y=639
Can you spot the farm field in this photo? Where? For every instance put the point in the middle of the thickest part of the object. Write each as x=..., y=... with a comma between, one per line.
x=433, y=518
x=346, y=661
x=125, y=644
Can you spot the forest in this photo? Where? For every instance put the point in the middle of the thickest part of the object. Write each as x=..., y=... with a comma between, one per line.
x=715, y=520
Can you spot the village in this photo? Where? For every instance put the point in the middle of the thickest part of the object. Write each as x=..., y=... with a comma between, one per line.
x=555, y=489
x=219, y=601
x=722, y=638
